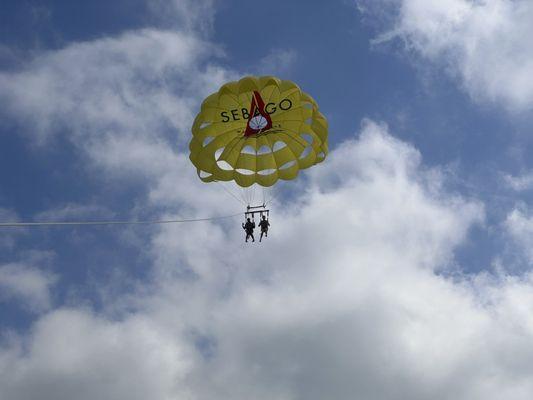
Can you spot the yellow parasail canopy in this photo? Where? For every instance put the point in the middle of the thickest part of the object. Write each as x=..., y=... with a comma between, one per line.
x=257, y=130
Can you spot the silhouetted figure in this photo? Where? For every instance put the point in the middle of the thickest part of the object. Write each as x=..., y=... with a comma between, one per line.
x=264, y=224
x=249, y=228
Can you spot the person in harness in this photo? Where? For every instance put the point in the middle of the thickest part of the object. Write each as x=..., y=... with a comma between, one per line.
x=249, y=229
x=264, y=224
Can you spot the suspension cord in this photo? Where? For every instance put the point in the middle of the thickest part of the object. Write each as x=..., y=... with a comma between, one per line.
x=230, y=193
x=272, y=198
x=85, y=223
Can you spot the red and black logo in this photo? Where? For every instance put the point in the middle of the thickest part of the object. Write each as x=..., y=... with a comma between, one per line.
x=259, y=120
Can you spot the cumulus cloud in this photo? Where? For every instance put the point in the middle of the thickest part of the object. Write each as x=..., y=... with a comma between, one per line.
x=519, y=225
x=484, y=43
x=136, y=84
x=75, y=354
x=519, y=183
x=351, y=296
x=345, y=299
x=190, y=15
x=72, y=211
x=126, y=103
x=277, y=61
x=27, y=285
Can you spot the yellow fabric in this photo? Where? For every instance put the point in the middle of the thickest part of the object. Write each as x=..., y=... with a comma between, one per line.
x=298, y=138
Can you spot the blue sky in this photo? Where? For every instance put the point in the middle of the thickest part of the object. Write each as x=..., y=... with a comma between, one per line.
x=402, y=259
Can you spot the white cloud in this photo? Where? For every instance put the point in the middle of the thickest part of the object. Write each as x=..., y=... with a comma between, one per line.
x=519, y=183
x=137, y=84
x=90, y=357
x=191, y=15
x=519, y=225
x=72, y=211
x=26, y=284
x=127, y=103
x=277, y=61
x=484, y=43
x=343, y=300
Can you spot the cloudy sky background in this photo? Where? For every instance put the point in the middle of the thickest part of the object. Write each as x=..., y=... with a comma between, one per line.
x=397, y=269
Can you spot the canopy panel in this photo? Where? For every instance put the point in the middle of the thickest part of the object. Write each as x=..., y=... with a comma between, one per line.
x=257, y=130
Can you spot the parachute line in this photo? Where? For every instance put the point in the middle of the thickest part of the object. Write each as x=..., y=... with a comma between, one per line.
x=272, y=198
x=85, y=223
x=231, y=193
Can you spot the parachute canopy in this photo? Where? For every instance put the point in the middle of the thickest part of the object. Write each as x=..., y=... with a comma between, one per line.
x=257, y=130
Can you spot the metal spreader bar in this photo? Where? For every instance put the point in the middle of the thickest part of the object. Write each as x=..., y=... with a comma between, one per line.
x=261, y=210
